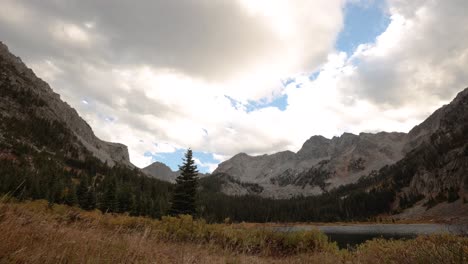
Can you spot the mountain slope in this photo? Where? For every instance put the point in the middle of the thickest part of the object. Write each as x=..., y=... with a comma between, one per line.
x=437, y=169
x=25, y=98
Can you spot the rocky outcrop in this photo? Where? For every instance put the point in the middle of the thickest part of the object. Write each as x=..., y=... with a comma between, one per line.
x=19, y=78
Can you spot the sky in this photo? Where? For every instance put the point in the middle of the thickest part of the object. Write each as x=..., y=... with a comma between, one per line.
x=230, y=76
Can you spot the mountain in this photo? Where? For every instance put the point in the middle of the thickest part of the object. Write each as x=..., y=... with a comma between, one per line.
x=324, y=164
x=161, y=171
x=25, y=98
x=320, y=165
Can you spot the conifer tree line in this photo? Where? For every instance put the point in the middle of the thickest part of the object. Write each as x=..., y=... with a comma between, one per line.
x=88, y=184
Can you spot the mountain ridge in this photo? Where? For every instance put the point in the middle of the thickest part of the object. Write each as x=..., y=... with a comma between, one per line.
x=337, y=161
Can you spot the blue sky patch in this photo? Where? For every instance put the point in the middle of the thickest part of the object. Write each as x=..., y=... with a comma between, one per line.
x=364, y=21
x=313, y=76
x=280, y=102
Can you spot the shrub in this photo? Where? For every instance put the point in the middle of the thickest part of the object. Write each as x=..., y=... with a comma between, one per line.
x=424, y=249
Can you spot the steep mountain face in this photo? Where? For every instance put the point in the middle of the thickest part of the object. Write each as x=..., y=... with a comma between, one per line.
x=25, y=98
x=320, y=165
x=323, y=164
x=160, y=171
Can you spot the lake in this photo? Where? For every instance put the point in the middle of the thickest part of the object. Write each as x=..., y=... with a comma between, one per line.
x=348, y=236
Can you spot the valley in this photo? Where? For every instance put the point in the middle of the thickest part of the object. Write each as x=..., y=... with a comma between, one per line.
x=59, y=180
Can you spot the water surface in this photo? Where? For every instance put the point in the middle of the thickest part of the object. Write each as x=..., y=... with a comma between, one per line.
x=352, y=235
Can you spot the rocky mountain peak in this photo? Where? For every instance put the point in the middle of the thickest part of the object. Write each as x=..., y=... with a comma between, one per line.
x=160, y=171
x=315, y=147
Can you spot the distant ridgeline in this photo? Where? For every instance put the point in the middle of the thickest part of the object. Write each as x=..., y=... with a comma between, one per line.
x=48, y=152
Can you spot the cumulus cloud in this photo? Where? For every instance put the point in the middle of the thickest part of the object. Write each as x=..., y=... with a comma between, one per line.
x=157, y=75
x=421, y=55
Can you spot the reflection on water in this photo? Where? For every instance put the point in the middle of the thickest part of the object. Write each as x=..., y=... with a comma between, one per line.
x=350, y=241
x=351, y=235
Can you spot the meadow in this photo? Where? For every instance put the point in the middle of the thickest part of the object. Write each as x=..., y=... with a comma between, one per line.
x=39, y=232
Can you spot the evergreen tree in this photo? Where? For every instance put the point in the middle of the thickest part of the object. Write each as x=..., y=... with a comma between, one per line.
x=82, y=193
x=124, y=197
x=109, y=203
x=70, y=195
x=91, y=199
x=183, y=200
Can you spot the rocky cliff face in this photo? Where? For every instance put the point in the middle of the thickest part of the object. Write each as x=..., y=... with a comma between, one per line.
x=25, y=96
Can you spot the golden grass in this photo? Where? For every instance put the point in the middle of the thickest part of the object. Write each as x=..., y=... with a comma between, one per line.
x=33, y=232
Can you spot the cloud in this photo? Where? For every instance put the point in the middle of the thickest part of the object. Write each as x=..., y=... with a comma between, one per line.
x=235, y=44
x=210, y=167
x=419, y=60
x=164, y=71
x=413, y=68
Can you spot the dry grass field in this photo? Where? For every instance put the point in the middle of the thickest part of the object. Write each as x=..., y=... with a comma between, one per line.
x=35, y=232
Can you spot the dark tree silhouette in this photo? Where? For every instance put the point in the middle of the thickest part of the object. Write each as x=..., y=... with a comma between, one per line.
x=183, y=200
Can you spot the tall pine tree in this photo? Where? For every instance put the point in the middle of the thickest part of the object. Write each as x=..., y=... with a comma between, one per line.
x=183, y=200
